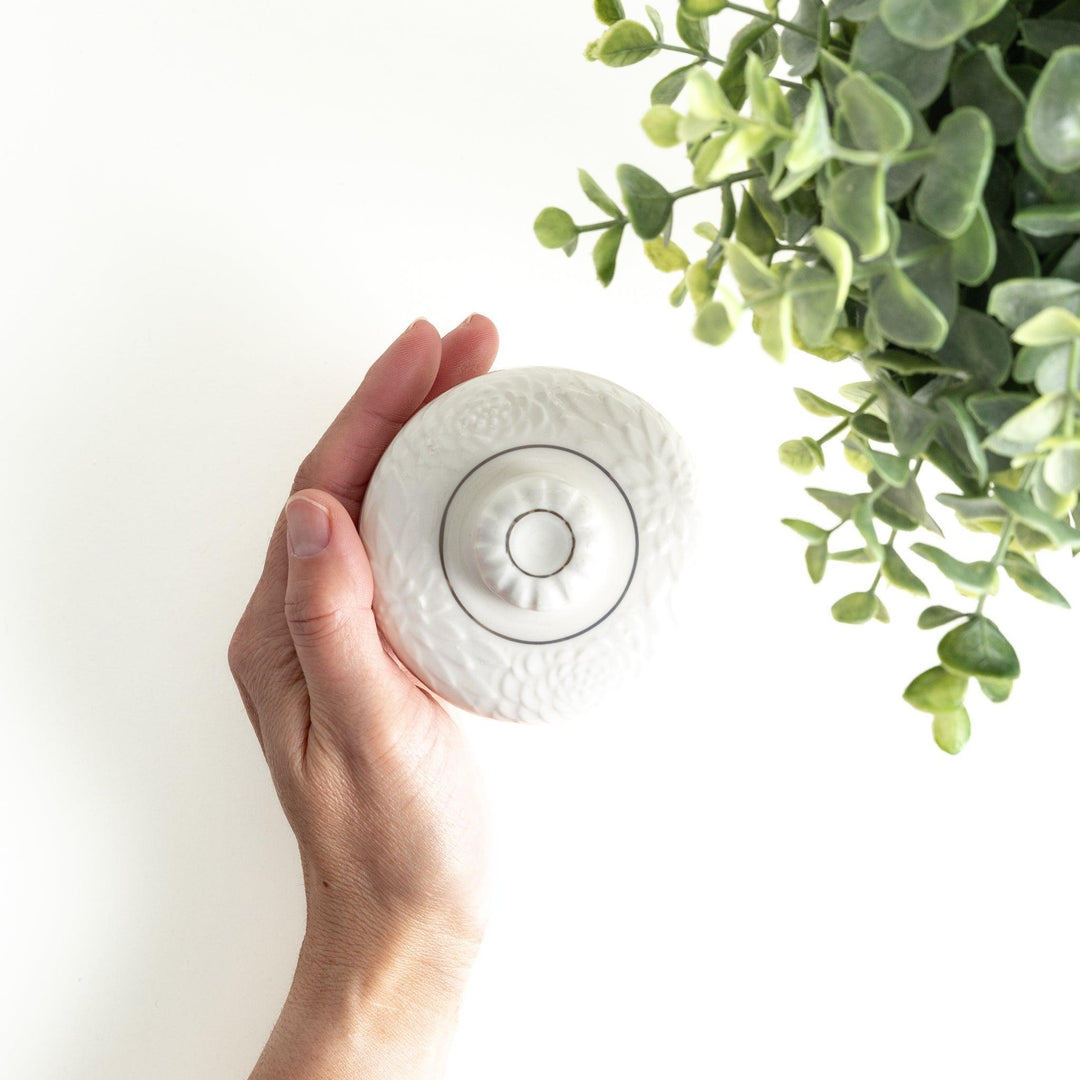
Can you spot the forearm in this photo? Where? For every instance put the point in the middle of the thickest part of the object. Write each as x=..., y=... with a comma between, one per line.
x=393, y=1018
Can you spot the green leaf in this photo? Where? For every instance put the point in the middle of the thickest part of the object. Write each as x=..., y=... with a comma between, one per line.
x=608, y=11
x=855, y=205
x=1023, y=431
x=978, y=347
x=936, y=615
x=625, y=42
x=1020, y=504
x=1049, y=220
x=992, y=408
x=701, y=9
x=922, y=71
x=952, y=186
x=752, y=230
x=800, y=50
x=975, y=250
x=1061, y=469
x=863, y=520
x=854, y=555
x=657, y=23
x=715, y=323
x=648, y=203
x=665, y=257
x=881, y=612
x=816, y=303
x=807, y=530
x=1053, y=112
x=841, y=504
x=597, y=196
x=694, y=32
x=835, y=248
x=875, y=120
x=818, y=406
x=959, y=418
x=892, y=469
x=671, y=85
x=758, y=37
x=816, y=558
x=927, y=24
x=754, y=278
x=898, y=573
x=554, y=228
x=973, y=508
x=810, y=148
x=606, y=251
x=773, y=324
x=678, y=294
x=977, y=577
x=979, y=79
x=661, y=124
x=1046, y=35
x=936, y=690
x=856, y=607
x=911, y=424
x=1015, y=301
x=802, y=455
x=996, y=690
x=951, y=730
x=978, y=648
x=905, y=314
x=1028, y=578
x=1052, y=326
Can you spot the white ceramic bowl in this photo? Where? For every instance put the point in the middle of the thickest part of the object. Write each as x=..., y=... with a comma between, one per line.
x=525, y=529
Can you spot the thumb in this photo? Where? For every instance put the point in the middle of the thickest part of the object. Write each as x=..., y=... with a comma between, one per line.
x=328, y=605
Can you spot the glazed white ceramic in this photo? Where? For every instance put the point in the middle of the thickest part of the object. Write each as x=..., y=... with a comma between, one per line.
x=525, y=529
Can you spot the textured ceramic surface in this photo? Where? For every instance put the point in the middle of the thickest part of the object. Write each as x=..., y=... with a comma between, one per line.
x=525, y=529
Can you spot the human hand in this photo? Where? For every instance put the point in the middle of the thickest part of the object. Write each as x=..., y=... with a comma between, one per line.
x=373, y=775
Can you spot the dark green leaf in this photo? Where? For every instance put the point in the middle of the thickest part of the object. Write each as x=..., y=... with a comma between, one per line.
x=898, y=573
x=842, y=505
x=922, y=71
x=976, y=577
x=936, y=615
x=596, y=194
x=928, y=24
x=903, y=508
x=892, y=469
x=753, y=230
x=975, y=249
x=905, y=314
x=911, y=425
x=955, y=416
x=648, y=203
x=978, y=648
x=1045, y=35
x=670, y=86
x=1027, y=576
x=979, y=79
x=1023, y=506
x=605, y=252
x=800, y=50
x=978, y=347
x=608, y=11
x=695, y=32
x=855, y=206
x=758, y=36
x=992, y=408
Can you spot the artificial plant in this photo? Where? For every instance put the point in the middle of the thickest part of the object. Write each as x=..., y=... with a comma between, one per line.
x=908, y=193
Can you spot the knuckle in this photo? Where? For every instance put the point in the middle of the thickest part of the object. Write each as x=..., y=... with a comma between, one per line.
x=240, y=650
x=312, y=619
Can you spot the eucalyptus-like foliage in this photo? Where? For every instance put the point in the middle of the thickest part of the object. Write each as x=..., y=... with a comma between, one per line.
x=907, y=194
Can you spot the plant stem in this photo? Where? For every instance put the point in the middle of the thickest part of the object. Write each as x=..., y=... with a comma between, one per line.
x=708, y=57
x=602, y=225
x=1007, y=531
x=775, y=20
x=847, y=420
x=734, y=178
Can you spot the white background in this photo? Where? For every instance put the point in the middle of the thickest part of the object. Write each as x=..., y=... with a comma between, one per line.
x=213, y=217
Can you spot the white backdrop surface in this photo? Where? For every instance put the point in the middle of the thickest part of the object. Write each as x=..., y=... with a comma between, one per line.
x=754, y=863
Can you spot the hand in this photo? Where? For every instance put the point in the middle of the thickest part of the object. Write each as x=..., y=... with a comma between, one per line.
x=372, y=773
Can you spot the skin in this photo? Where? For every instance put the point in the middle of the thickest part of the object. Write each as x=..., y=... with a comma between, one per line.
x=373, y=775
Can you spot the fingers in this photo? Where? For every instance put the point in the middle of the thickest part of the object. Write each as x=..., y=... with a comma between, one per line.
x=468, y=350
x=328, y=611
x=394, y=387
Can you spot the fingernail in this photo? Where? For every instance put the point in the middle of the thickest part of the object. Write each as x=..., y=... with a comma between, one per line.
x=414, y=322
x=308, y=526
x=465, y=322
